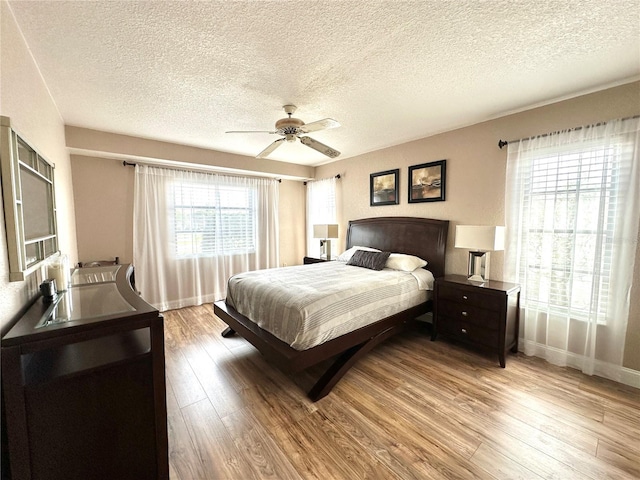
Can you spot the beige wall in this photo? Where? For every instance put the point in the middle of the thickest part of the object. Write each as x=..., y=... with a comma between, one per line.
x=112, y=145
x=476, y=170
x=292, y=207
x=103, y=190
x=26, y=100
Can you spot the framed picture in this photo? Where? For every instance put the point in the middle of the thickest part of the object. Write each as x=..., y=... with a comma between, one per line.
x=383, y=187
x=427, y=182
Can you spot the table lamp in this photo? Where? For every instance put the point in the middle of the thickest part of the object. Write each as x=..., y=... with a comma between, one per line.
x=325, y=232
x=480, y=240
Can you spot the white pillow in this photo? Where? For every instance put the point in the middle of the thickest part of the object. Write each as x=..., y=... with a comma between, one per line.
x=347, y=254
x=405, y=263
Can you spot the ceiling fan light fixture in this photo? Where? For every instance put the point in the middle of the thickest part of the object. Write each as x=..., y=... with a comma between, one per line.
x=289, y=123
x=291, y=129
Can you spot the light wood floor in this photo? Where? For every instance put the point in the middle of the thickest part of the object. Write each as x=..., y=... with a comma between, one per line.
x=412, y=409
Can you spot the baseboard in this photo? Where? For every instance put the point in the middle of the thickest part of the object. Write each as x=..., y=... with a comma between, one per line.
x=562, y=358
x=630, y=377
x=187, y=302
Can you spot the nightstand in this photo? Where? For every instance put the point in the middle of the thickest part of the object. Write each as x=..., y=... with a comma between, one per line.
x=485, y=315
x=309, y=260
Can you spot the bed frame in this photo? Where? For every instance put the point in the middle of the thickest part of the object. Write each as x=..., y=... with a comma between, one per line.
x=423, y=237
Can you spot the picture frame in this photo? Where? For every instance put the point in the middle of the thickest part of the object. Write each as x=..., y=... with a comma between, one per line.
x=383, y=188
x=427, y=182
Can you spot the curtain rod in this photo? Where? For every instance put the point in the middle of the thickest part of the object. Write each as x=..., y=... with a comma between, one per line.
x=503, y=143
x=337, y=176
x=129, y=164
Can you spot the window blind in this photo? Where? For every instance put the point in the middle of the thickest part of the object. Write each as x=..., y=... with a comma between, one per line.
x=212, y=219
x=569, y=208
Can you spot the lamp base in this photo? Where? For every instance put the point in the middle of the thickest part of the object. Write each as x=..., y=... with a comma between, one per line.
x=325, y=249
x=476, y=279
x=478, y=267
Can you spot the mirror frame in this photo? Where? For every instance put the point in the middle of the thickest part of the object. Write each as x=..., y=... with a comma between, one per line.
x=25, y=254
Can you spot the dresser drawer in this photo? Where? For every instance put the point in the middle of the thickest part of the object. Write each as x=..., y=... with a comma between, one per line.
x=481, y=317
x=468, y=331
x=470, y=297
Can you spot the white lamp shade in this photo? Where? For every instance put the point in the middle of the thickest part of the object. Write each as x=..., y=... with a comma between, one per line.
x=325, y=231
x=480, y=238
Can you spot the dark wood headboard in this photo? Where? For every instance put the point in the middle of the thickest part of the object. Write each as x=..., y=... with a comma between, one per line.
x=423, y=237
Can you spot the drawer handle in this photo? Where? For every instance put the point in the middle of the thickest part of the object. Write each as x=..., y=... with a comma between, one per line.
x=464, y=330
x=464, y=297
x=464, y=314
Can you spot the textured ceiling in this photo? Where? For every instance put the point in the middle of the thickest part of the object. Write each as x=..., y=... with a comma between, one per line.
x=388, y=71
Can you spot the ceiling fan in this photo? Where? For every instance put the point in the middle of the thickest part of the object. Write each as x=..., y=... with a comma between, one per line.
x=292, y=128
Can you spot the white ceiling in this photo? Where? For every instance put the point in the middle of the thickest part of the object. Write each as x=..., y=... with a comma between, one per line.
x=388, y=71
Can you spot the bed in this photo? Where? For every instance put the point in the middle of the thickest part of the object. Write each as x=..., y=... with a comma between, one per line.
x=421, y=237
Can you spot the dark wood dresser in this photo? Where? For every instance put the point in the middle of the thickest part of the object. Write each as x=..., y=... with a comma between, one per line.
x=83, y=379
x=485, y=315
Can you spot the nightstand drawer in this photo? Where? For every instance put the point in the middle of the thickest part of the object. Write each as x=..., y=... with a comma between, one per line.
x=471, y=314
x=468, y=331
x=470, y=297
x=310, y=260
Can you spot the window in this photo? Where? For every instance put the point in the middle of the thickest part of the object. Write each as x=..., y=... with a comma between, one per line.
x=569, y=203
x=321, y=208
x=572, y=203
x=212, y=220
x=194, y=230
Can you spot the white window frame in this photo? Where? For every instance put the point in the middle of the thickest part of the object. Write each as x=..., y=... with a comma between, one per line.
x=212, y=236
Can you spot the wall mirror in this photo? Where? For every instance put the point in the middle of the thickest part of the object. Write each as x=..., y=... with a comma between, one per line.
x=29, y=203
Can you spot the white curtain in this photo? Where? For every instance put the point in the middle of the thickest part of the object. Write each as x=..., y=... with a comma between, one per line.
x=573, y=203
x=192, y=231
x=321, y=209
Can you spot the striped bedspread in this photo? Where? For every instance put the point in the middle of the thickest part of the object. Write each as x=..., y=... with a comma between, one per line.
x=307, y=305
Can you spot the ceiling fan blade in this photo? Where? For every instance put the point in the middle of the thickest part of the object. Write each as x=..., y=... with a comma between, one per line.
x=320, y=125
x=250, y=131
x=270, y=148
x=321, y=147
